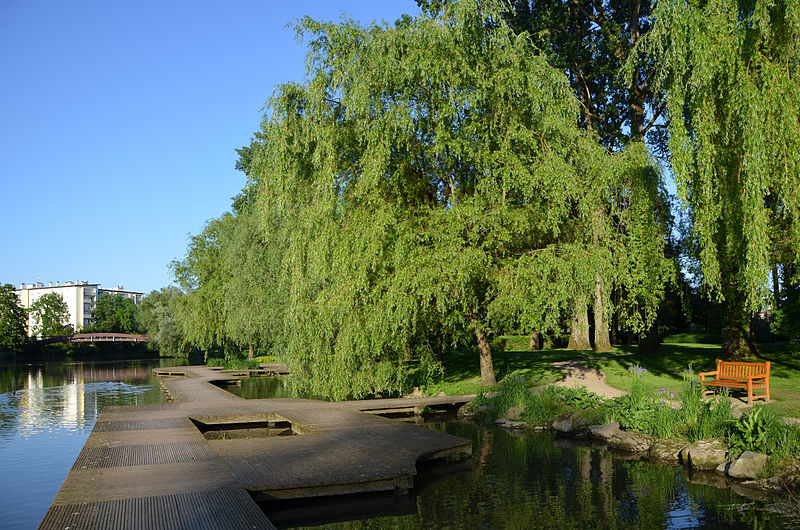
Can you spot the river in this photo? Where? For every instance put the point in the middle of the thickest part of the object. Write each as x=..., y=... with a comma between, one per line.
x=513, y=480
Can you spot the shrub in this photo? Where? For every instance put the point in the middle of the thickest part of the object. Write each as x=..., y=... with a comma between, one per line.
x=542, y=408
x=749, y=433
x=577, y=397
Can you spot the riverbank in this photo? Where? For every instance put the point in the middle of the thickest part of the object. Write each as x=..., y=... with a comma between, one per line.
x=99, y=351
x=749, y=448
x=514, y=478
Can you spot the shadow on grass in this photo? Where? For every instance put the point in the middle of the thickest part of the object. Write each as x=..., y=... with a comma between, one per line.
x=462, y=365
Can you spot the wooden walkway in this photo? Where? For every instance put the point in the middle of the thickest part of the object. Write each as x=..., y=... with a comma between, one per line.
x=200, y=461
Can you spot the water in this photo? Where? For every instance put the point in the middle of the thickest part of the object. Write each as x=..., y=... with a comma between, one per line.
x=513, y=480
x=46, y=414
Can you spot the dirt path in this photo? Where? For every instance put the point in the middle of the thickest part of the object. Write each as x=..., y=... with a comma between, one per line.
x=594, y=380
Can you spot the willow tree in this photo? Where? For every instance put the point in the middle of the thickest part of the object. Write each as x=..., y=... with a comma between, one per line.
x=202, y=275
x=731, y=71
x=417, y=166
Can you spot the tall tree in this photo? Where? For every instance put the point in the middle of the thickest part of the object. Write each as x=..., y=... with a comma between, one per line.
x=13, y=320
x=202, y=276
x=156, y=317
x=731, y=74
x=50, y=316
x=115, y=313
x=422, y=169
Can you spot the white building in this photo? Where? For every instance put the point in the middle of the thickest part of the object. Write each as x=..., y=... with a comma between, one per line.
x=80, y=298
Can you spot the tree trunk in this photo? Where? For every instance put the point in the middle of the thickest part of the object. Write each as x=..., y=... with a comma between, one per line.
x=579, y=328
x=636, y=97
x=776, y=289
x=535, y=342
x=650, y=343
x=615, y=319
x=737, y=337
x=250, y=352
x=602, y=341
x=485, y=353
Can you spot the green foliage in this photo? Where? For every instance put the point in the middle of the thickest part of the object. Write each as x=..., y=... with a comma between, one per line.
x=729, y=72
x=156, y=317
x=115, y=314
x=542, y=408
x=50, y=316
x=750, y=432
x=701, y=338
x=235, y=363
x=13, y=320
x=577, y=397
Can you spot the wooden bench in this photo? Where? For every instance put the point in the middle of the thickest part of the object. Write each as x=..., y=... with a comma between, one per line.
x=739, y=375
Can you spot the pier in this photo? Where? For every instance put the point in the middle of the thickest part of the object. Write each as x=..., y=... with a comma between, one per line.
x=203, y=460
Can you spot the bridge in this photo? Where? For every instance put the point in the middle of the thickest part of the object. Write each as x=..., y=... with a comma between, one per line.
x=93, y=337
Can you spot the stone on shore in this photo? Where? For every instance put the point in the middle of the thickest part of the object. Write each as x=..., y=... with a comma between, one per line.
x=749, y=465
x=513, y=414
x=614, y=437
x=568, y=423
x=668, y=451
x=471, y=410
x=704, y=454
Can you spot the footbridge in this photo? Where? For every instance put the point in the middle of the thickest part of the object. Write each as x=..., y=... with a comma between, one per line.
x=94, y=337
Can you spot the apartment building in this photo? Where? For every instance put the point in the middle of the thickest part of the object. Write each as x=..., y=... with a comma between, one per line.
x=80, y=297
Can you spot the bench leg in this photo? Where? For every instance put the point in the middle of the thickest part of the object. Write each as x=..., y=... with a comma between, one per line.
x=749, y=392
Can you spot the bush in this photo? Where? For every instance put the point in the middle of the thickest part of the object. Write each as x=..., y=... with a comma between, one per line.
x=232, y=364
x=542, y=408
x=693, y=338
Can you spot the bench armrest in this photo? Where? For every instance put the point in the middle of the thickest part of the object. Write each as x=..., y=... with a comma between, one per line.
x=757, y=376
x=703, y=374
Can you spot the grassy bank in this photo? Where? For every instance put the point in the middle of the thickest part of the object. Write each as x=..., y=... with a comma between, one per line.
x=665, y=367
x=511, y=358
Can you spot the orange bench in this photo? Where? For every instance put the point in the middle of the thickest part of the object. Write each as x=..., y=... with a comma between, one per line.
x=734, y=374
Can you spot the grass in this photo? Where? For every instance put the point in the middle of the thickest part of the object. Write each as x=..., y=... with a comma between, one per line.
x=462, y=371
x=665, y=367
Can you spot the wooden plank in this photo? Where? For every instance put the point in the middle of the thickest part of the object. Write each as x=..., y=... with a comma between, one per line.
x=151, y=467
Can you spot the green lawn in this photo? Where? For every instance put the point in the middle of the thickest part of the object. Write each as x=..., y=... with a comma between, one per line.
x=462, y=371
x=664, y=369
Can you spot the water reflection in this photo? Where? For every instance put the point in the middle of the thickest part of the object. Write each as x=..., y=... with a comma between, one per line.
x=525, y=480
x=46, y=413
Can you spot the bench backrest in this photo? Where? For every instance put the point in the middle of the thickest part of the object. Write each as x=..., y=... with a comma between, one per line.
x=740, y=370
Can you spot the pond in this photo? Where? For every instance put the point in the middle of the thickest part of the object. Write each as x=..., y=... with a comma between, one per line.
x=512, y=480
x=47, y=411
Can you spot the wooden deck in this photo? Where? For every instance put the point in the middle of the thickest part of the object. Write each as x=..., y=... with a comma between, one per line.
x=200, y=461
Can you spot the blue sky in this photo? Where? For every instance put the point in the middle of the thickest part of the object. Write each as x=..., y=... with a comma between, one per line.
x=119, y=120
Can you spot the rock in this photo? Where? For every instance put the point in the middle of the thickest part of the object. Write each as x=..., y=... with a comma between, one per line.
x=513, y=414
x=616, y=438
x=704, y=454
x=568, y=423
x=748, y=466
x=667, y=451
x=470, y=410
x=510, y=424
x=416, y=393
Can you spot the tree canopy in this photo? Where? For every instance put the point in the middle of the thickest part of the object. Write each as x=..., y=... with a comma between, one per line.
x=13, y=320
x=730, y=71
x=423, y=176
x=115, y=313
x=50, y=316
